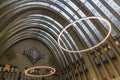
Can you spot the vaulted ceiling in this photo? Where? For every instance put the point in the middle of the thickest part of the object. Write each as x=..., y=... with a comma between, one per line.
x=44, y=19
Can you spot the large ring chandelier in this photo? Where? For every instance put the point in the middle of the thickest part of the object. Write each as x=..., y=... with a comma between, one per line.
x=86, y=18
x=40, y=67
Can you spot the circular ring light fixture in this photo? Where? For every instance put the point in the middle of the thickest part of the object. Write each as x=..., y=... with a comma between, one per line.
x=40, y=67
x=86, y=18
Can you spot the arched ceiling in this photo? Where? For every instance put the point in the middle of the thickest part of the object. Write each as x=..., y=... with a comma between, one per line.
x=44, y=19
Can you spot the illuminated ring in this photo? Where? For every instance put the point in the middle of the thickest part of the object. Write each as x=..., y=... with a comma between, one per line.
x=40, y=67
x=86, y=18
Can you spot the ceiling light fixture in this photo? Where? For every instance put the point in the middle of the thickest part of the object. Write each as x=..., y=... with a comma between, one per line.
x=86, y=18
x=51, y=71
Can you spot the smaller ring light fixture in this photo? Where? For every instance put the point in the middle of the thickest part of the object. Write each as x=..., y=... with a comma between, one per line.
x=86, y=18
x=52, y=71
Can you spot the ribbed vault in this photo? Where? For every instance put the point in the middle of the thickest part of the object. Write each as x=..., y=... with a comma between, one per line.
x=44, y=19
